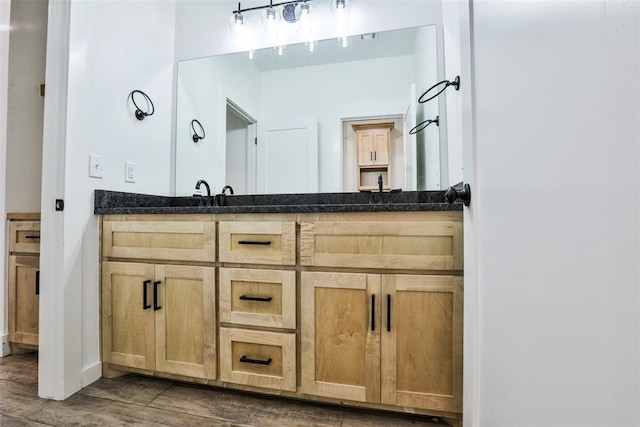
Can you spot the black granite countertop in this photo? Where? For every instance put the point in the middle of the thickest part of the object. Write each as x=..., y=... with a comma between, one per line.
x=115, y=202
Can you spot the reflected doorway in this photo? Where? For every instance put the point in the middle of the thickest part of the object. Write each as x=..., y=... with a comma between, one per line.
x=240, y=166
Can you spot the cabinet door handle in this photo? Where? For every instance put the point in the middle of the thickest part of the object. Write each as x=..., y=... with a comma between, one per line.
x=245, y=359
x=145, y=297
x=250, y=298
x=373, y=312
x=156, y=307
x=38, y=282
x=375, y=155
x=388, y=313
x=32, y=237
x=371, y=155
x=254, y=242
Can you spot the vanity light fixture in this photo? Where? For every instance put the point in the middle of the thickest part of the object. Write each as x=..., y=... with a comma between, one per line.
x=311, y=46
x=340, y=10
x=344, y=41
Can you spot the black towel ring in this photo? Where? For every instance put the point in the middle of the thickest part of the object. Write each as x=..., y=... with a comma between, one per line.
x=197, y=137
x=420, y=126
x=140, y=115
x=455, y=83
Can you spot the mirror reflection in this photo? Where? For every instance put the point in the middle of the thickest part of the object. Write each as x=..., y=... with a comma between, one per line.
x=330, y=117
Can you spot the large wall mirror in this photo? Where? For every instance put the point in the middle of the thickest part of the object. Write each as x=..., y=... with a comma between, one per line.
x=282, y=121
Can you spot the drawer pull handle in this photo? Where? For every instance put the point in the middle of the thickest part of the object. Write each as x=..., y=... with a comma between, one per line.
x=373, y=312
x=145, y=297
x=262, y=299
x=254, y=242
x=38, y=282
x=245, y=359
x=156, y=307
x=32, y=237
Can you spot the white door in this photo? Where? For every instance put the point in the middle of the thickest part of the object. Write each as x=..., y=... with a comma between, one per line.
x=410, y=154
x=288, y=157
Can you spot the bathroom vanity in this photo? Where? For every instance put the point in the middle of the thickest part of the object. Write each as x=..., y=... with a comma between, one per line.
x=340, y=298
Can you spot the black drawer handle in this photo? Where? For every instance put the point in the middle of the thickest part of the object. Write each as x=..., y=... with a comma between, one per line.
x=245, y=359
x=38, y=282
x=373, y=312
x=145, y=296
x=388, y=313
x=32, y=237
x=253, y=242
x=248, y=298
x=156, y=307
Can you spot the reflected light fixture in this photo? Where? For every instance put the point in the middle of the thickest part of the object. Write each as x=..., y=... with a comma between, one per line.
x=340, y=10
x=344, y=41
x=311, y=46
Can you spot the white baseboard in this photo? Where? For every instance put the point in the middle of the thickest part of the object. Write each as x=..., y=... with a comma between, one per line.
x=5, y=346
x=91, y=374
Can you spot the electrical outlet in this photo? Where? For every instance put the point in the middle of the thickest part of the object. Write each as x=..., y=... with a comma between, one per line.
x=95, y=166
x=129, y=172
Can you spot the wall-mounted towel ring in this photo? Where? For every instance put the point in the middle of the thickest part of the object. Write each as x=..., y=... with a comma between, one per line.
x=140, y=115
x=439, y=87
x=197, y=137
x=424, y=124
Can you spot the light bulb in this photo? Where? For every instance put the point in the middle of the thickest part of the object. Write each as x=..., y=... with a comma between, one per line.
x=271, y=14
x=311, y=46
x=280, y=50
x=340, y=4
x=252, y=54
x=344, y=41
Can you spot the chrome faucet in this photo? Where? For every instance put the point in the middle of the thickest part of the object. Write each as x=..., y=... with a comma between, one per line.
x=202, y=181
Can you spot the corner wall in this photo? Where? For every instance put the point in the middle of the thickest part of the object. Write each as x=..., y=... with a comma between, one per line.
x=114, y=47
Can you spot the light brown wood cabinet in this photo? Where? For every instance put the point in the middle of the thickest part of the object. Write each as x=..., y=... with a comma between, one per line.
x=24, y=282
x=159, y=318
x=390, y=339
x=374, y=148
x=358, y=308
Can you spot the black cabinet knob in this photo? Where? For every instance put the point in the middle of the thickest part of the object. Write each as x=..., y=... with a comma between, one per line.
x=464, y=195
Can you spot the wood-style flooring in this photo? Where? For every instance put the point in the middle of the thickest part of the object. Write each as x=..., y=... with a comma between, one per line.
x=143, y=401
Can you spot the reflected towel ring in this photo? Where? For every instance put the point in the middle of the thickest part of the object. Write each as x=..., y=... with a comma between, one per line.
x=140, y=115
x=420, y=126
x=455, y=83
x=197, y=137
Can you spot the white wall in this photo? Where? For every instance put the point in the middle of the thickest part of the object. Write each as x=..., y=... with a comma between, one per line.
x=25, y=105
x=428, y=140
x=203, y=87
x=556, y=208
x=104, y=66
x=355, y=89
x=5, y=20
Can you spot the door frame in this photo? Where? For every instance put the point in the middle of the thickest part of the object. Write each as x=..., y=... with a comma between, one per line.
x=251, y=160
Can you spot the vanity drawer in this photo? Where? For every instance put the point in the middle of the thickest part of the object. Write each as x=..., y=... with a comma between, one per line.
x=258, y=359
x=258, y=297
x=162, y=240
x=258, y=242
x=429, y=245
x=24, y=236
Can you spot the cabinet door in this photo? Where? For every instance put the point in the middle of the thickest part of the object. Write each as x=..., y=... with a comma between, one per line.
x=23, y=299
x=185, y=320
x=340, y=335
x=422, y=342
x=380, y=139
x=127, y=319
x=365, y=148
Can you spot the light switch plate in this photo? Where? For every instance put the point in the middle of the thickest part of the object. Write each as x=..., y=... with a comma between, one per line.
x=129, y=172
x=95, y=166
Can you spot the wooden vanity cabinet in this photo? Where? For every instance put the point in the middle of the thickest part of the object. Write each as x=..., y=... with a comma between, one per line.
x=352, y=308
x=379, y=336
x=258, y=305
x=159, y=317
x=24, y=282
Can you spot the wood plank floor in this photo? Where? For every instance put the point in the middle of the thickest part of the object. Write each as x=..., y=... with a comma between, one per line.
x=142, y=401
